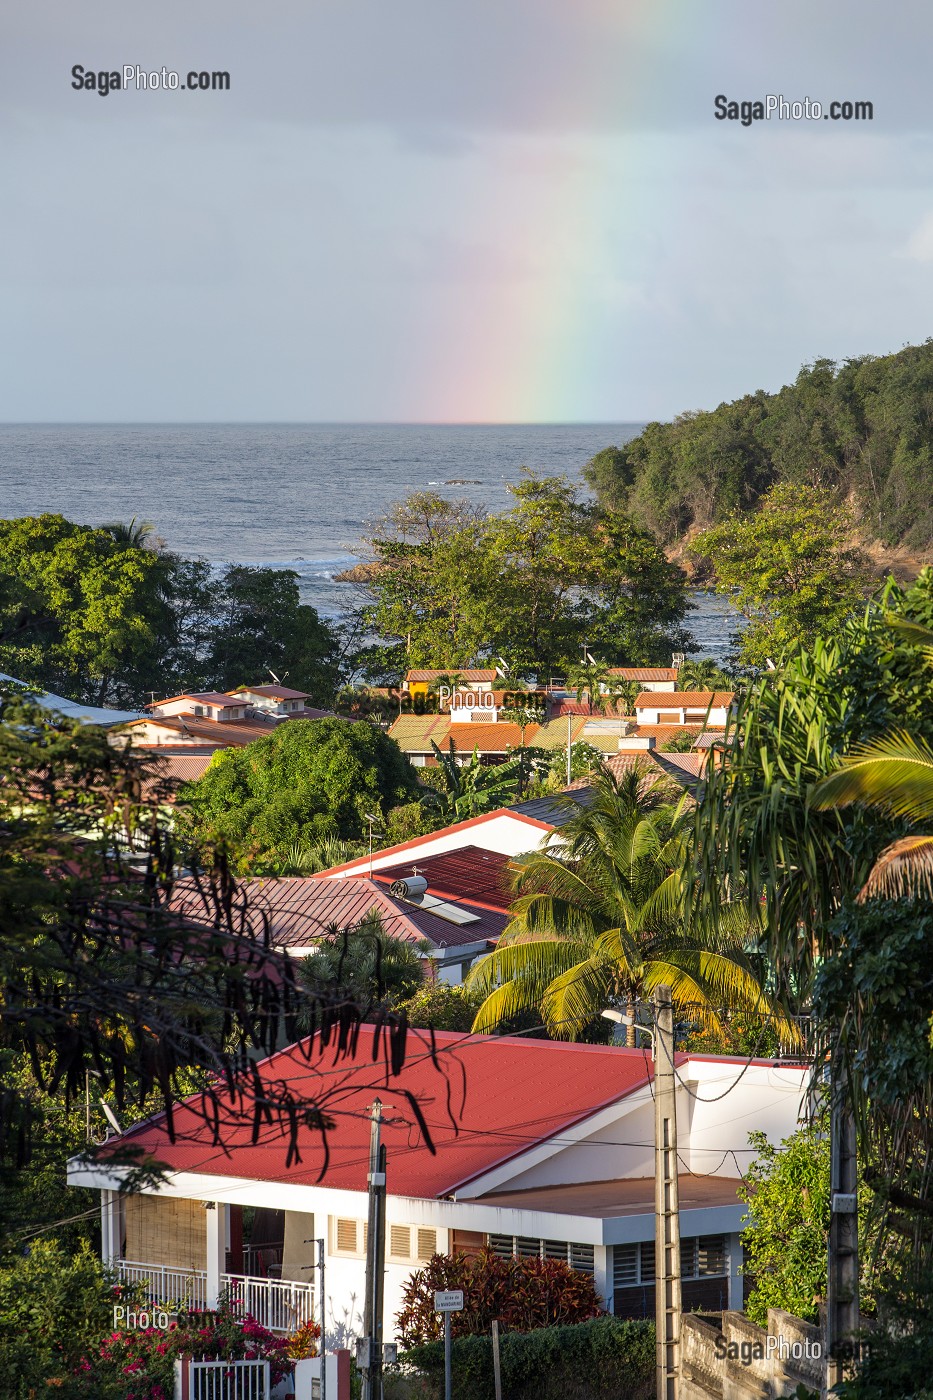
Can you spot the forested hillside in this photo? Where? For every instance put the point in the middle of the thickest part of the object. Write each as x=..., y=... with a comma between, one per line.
x=864, y=429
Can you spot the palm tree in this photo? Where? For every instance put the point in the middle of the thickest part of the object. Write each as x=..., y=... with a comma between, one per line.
x=475, y=787
x=894, y=774
x=136, y=535
x=588, y=679
x=598, y=922
x=703, y=674
x=365, y=963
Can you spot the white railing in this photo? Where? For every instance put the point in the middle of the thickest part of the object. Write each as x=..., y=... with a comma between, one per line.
x=278, y=1304
x=167, y=1283
x=230, y=1380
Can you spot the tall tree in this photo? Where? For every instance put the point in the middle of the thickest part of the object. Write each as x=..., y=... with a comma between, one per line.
x=599, y=923
x=452, y=586
x=791, y=569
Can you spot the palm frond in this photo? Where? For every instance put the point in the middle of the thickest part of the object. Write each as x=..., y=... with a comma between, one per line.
x=573, y=998
x=534, y=961
x=903, y=869
x=894, y=773
x=506, y=1001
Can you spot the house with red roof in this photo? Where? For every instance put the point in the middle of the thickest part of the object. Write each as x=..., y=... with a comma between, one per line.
x=536, y=1148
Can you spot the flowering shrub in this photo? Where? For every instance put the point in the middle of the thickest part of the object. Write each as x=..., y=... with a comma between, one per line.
x=521, y=1294
x=149, y=1356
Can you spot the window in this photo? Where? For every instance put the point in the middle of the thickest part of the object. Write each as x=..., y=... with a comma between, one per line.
x=349, y=1236
x=199, y=709
x=694, y=716
x=427, y=1245
x=669, y=717
x=410, y=1244
x=578, y=1256
x=703, y=1256
x=399, y=1242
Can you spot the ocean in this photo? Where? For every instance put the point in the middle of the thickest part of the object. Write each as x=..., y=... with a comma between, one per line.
x=295, y=495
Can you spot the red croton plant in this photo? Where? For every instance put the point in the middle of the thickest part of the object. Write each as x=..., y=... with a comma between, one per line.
x=520, y=1294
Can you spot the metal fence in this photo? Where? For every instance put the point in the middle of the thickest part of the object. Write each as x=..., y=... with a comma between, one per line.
x=230, y=1380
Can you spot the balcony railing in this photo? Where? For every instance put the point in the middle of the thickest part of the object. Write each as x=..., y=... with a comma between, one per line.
x=278, y=1304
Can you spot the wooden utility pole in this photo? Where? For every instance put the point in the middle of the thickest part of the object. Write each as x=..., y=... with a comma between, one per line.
x=666, y=1201
x=375, y=1261
x=842, y=1300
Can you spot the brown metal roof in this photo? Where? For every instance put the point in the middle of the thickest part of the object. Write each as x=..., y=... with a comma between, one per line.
x=644, y=673
x=301, y=908
x=469, y=873
x=272, y=692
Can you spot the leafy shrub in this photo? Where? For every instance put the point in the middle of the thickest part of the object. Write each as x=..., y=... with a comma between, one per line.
x=520, y=1294
x=54, y=1308
x=443, y=1007
x=603, y=1359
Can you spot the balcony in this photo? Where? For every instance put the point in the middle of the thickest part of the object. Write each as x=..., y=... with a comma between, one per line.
x=278, y=1304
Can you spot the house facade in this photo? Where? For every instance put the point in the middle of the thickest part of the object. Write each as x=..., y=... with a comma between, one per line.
x=539, y=1148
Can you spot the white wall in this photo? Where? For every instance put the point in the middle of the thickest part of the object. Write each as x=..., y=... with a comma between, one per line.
x=504, y=832
x=714, y=1131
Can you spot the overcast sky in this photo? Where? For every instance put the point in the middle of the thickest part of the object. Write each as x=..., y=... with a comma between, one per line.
x=416, y=210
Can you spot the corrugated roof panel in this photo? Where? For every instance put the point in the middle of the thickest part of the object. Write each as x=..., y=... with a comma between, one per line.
x=518, y=1093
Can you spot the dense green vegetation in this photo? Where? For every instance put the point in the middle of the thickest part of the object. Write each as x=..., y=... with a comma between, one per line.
x=305, y=782
x=604, y=1359
x=108, y=616
x=863, y=429
x=818, y=815
x=453, y=584
x=789, y=568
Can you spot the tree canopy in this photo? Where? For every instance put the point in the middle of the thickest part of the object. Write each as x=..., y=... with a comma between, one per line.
x=452, y=584
x=305, y=782
x=107, y=615
x=789, y=568
x=862, y=429
x=101, y=971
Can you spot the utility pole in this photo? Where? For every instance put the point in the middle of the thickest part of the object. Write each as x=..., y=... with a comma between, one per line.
x=842, y=1300
x=375, y=1262
x=569, y=737
x=666, y=1201
x=320, y=1269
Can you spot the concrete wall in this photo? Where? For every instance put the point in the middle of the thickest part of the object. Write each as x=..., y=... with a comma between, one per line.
x=738, y=1360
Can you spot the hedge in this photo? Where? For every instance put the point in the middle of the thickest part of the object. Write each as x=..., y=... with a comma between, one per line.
x=603, y=1359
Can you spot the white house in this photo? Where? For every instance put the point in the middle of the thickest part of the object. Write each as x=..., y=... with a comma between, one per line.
x=540, y=1148
x=685, y=707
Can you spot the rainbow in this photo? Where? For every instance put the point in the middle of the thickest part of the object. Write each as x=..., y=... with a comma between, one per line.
x=524, y=340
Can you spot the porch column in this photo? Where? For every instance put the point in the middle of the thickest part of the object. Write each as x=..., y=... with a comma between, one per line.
x=736, y=1280
x=111, y=1228
x=216, y=1217
x=602, y=1277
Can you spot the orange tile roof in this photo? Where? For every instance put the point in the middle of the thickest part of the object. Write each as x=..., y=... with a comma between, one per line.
x=208, y=697
x=228, y=733
x=463, y=674
x=491, y=738
x=644, y=673
x=684, y=699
